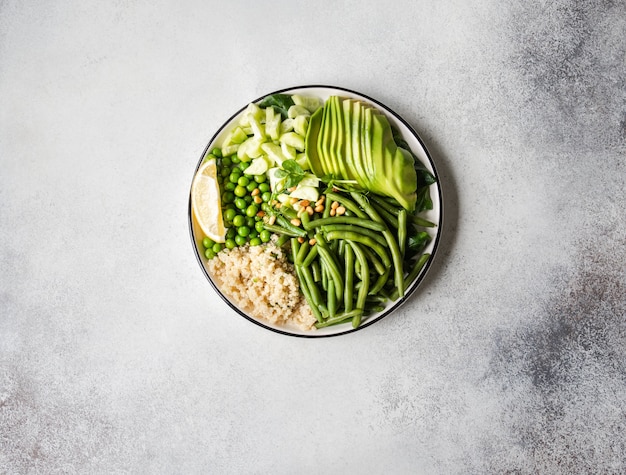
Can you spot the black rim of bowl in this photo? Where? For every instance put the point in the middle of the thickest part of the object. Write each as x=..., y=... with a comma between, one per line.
x=395, y=305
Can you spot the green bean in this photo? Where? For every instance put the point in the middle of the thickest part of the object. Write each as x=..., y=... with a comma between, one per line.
x=360, y=238
x=386, y=215
x=343, y=317
x=323, y=243
x=380, y=282
x=315, y=270
x=287, y=225
x=395, y=209
x=365, y=223
x=307, y=295
x=331, y=299
x=373, y=257
x=311, y=256
x=365, y=276
x=329, y=261
x=282, y=239
x=393, y=245
x=316, y=297
x=274, y=228
x=288, y=212
x=402, y=231
x=412, y=275
x=305, y=218
x=346, y=202
x=349, y=280
x=357, y=229
x=302, y=252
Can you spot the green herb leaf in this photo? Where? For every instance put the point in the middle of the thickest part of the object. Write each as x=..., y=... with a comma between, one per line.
x=281, y=102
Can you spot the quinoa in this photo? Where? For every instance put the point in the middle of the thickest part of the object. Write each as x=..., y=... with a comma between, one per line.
x=261, y=281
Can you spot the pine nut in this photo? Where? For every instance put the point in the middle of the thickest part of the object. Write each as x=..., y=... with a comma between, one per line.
x=334, y=205
x=312, y=242
x=319, y=208
x=295, y=222
x=340, y=210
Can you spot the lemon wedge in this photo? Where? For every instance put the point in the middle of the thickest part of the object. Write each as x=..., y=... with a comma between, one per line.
x=206, y=203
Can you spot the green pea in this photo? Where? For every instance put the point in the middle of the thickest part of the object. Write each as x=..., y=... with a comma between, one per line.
x=260, y=178
x=265, y=235
x=240, y=191
x=241, y=203
x=243, y=165
x=230, y=186
x=239, y=220
x=217, y=152
x=225, y=171
x=259, y=226
x=231, y=233
x=251, y=211
x=253, y=233
x=235, y=160
x=248, y=199
x=209, y=254
x=263, y=187
x=243, y=231
x=228, y=197
x=217, y=247
x=240, y=240
x=207, y=242
x=227, y=162
x=255, y=241
x=243, y=181
x=234, y=176
x=250, y=222
x=230, y=214
x=251, y=186
x=266, y=196
x=230, y=244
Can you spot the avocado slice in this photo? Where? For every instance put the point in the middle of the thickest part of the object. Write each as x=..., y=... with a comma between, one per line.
x=346, y=105
x=311, y=141
x=341, y=137
x=357, y=148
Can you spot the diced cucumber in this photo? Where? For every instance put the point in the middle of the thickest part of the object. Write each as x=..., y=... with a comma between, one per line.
x=252, y=110
x=251, y=148
x=258, y=166
x=310, y=180
x=294, y=111
x=288, y=151
x=302, y=161
x=257, y=128
x=274, y=152
x=294, y=140
x=301, y=124
x=283, y=197
x=229, y=149
x=272, y=123
x=237, y=135
x=286, y=126
x=311, y=103
x=276, y=182
x=304, y=192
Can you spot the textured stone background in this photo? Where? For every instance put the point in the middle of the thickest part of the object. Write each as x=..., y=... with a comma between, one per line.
x=117, y=357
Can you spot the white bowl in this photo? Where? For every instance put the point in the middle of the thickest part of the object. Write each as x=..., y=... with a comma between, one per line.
x=435, y=215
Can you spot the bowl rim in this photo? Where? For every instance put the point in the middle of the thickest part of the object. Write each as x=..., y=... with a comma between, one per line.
x=398, y=303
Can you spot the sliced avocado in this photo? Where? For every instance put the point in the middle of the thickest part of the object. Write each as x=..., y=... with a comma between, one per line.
x=322, y=143
x=357, y=149
x=331, y=137
x=340, y=143
x=346, y=105
x=394, y=170
x=311, y=142
x=366, y=140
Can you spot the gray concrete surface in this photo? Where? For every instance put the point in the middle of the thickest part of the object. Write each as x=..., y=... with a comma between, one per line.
x=116, y=356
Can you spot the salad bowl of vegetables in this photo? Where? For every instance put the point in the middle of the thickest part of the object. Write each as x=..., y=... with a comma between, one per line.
x=336, y=186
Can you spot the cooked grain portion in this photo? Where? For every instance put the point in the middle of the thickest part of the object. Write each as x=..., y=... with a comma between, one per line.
x=261, y=281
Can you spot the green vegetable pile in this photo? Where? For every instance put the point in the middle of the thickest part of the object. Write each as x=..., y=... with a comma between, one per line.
x=339, y=187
